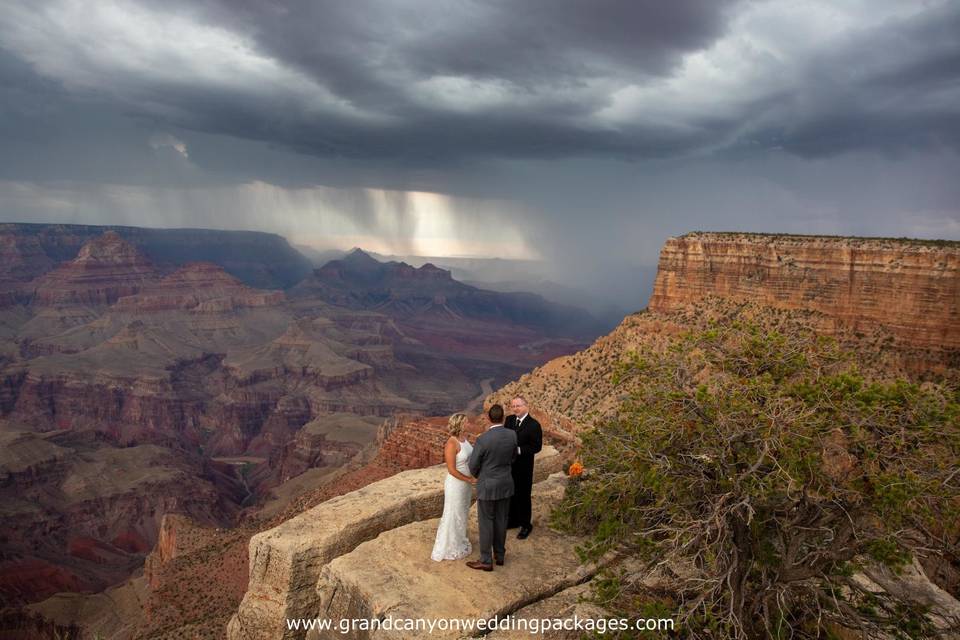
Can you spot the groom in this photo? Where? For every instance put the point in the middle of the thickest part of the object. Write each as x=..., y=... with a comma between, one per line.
x=490, y=464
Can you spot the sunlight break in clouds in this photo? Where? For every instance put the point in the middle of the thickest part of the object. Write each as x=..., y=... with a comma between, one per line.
x=159, y=140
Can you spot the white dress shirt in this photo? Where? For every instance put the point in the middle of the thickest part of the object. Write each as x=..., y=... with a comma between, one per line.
x=519, y=421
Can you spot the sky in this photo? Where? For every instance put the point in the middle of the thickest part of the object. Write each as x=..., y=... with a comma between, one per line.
x=578, y=132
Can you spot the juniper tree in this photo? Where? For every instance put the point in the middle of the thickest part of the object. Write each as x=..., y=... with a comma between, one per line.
x=767, y=468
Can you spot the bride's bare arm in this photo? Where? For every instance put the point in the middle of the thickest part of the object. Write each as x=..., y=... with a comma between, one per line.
x=450, y=457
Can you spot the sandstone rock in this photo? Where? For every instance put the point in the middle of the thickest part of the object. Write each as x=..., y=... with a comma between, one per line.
x=106, y=269
x=201, y=287
x=305, y=351
x=412, y=441
x=285, y=562
x=566, y=604
x=393, y=576
x=910, y=287
x=178, y=535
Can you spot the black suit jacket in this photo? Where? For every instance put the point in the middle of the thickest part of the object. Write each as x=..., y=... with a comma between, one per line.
x=529, y=439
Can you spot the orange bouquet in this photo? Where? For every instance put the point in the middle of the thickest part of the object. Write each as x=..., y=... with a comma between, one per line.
x=575, y=469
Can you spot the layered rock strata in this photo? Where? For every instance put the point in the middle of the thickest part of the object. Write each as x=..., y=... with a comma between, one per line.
x=911, y=288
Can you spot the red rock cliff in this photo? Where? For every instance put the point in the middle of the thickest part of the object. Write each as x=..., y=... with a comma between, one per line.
x=909, y=287
x=106, y=269
x=198, y=286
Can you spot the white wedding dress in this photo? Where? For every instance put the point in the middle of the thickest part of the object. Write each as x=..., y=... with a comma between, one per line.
x=452, y=542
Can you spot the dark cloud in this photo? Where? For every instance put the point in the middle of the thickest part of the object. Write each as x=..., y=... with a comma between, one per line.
x=430, y=83
x=586, y=130
x=892, y=87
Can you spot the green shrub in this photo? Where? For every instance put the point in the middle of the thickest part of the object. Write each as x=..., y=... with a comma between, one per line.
x=764, y=467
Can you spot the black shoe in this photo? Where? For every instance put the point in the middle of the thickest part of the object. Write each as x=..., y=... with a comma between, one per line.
x=524, y=532
x=498, y=560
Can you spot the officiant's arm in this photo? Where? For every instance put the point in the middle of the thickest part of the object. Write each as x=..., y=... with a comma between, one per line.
x=450, y=457
x=535, y=444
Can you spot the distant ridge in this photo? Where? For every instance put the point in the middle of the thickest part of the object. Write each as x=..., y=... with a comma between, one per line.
x=360, y=281
x=258, y=259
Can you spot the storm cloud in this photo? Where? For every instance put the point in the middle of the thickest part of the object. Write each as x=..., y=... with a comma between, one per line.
x=557, y=128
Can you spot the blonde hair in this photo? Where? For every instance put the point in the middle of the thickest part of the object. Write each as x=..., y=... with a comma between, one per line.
x=455, y=424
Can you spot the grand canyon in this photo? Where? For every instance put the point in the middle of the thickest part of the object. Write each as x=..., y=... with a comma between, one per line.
x=154, y=374
x=260, y=261
x=168, y=425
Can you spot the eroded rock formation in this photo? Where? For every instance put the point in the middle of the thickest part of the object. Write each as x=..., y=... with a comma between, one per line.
x=200, y=287
x=228, y=391
x=265, y=384
x=106, y=269
x=80, y=514
x=262, y=260
x=910, y=288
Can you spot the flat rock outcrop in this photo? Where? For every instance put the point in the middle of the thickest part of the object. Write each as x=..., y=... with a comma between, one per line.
x=285, y=562
x=566, y=604
x=393, y=576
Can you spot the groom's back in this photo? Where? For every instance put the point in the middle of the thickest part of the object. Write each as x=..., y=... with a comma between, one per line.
x=490, y=462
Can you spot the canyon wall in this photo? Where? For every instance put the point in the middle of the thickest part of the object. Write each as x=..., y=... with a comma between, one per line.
x=896, y=302
x=264, y=260
x=911, y=288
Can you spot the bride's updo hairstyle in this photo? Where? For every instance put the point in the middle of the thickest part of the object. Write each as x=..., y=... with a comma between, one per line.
x=455, y=424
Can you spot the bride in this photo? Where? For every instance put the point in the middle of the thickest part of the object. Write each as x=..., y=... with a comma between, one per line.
x=452, y=542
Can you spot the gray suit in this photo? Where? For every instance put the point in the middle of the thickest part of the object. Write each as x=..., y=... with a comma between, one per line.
x=491, y=464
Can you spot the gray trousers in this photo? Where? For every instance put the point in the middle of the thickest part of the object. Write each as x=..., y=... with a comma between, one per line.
x=492, y=516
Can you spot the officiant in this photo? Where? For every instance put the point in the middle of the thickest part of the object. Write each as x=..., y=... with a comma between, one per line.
x=529, y=443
